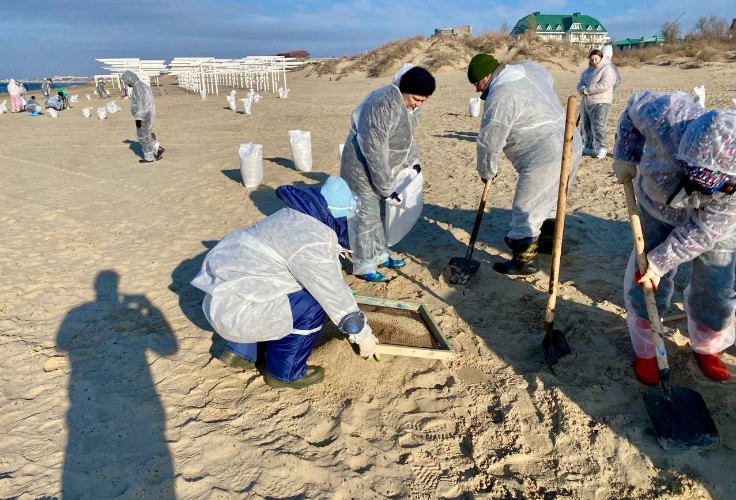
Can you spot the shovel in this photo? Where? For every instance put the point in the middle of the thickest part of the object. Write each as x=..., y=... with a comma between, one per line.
x=464, y=268
x=554, y=343
x=680, y=417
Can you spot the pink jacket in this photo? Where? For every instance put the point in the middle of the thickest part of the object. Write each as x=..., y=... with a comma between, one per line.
x=600, y=81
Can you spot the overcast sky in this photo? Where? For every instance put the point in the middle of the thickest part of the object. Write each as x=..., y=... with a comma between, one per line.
x=63, y=37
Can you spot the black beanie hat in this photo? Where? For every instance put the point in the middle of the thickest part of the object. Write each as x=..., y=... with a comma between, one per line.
x=417, y=81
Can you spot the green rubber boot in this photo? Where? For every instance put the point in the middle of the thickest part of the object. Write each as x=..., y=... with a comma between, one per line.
x=234, y=361
x=522, y=260
x=313, y=375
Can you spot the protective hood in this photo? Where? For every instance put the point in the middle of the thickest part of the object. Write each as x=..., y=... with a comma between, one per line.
x=310, y=201
x=129, y=78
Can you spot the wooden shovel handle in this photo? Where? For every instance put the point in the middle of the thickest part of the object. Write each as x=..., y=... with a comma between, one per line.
x=571, y=113
x=641, y=261
x=478, y=219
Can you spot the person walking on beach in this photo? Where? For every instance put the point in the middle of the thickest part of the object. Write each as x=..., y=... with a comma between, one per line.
x=522, y=117
x=101, y=90
x=143, y=110
x=596, y=88
x=46, y=87
x=14, y=91
x=379, y=145
x=278, y=280
x=685, y=158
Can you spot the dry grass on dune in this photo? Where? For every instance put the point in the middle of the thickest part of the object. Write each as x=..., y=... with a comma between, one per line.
x=449, y=52
x=454, y=52
x=686, y=54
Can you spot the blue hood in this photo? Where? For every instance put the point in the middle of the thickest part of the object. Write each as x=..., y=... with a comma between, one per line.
x=308, y=200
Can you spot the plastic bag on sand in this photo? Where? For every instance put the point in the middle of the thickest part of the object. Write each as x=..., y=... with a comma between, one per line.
x=283, y=93
x=474, y=106
x=247, y=101
x=52, y=112
x=256, y=97
x=74, y=98
x=112, y=107
x=86, y=112
x=251, y=164
x=401, y=217
x=4, y=107
x=300, y=142
x=88, y=97
x=231, y=102
x=203, y=94
x=102, y=113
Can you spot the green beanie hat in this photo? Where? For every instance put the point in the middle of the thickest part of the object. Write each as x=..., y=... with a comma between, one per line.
x=481, y=65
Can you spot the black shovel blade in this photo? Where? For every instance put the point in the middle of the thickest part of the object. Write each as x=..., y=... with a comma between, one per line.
x=462, y=269
x=680, y=419
x=555, y=346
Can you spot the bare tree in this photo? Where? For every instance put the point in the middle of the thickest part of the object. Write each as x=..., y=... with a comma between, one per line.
x=504, y=28
x=671, y=31
x=710, y=28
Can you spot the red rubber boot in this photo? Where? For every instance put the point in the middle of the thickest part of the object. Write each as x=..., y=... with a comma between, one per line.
x=712, y=366
x=646, y=370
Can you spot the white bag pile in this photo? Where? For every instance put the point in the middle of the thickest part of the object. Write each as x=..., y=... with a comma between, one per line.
x=112, y=107
x=86, y=112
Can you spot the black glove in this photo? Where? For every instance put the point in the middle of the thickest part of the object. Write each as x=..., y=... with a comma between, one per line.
x=417, y=168
x=138, y=123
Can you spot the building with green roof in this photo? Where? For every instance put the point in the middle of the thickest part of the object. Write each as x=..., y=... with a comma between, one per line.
x=574, y=28
x=639, y=43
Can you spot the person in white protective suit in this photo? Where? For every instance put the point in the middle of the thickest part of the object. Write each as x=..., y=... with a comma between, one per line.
x=596, y=88
x=685, y=157
x=379, y=145
x=522, y=117
x=143, y=110
x=276, y=281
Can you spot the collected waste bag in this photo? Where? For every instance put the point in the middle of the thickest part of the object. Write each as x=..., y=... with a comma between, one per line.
x=251, y=164
x=401, y=216
x=300, y=142
x=474, y=106
x=102, y=113
x=112, y=107
x=86, y=112
x=231, y=102
x=52, y=112
x=247, y=102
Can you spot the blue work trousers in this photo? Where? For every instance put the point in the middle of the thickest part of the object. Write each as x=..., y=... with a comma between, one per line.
x=286, y=358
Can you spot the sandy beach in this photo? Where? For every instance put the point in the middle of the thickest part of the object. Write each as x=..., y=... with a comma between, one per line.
x=110, y=389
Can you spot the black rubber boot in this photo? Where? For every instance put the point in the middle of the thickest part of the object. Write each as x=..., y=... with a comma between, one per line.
x=546, y=236
x=522, y=260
